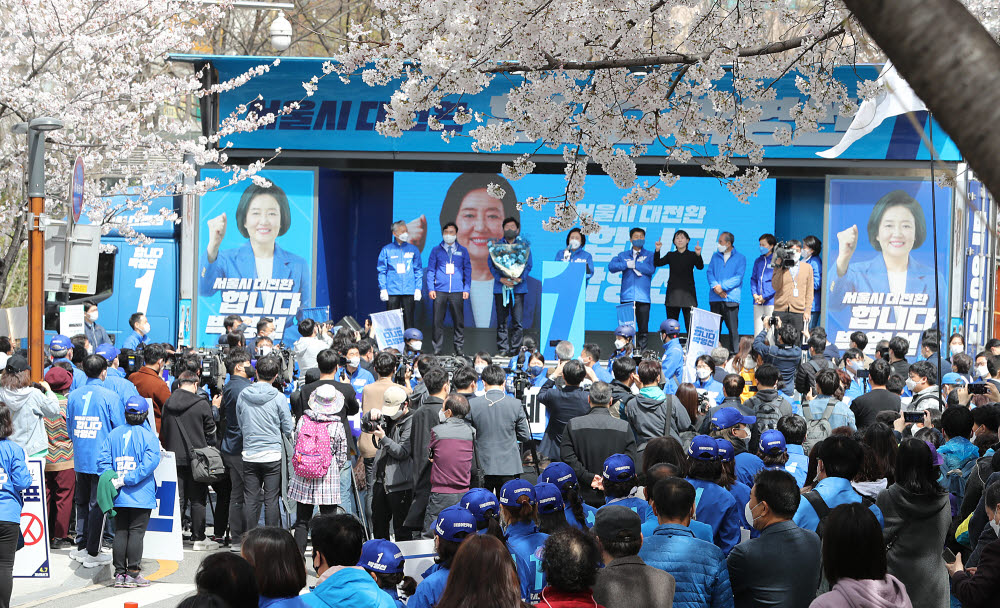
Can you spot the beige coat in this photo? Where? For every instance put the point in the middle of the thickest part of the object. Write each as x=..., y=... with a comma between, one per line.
x=784, y=290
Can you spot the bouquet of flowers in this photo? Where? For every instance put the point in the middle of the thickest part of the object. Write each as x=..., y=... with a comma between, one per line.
x=511, y=259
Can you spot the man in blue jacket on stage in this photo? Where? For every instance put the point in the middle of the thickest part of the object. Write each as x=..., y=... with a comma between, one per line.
x=449, y=279
x=400, y=273
x=725, y=280
x=636, y=266
x=511, y=304
x=672, y=361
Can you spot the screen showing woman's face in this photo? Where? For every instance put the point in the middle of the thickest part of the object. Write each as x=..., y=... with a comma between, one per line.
x=897, y=231
x=479, y=220
x=263, y=219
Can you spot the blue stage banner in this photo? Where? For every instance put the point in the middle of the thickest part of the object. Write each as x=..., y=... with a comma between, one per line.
x=879, y=259
x=563, y=304
x=703, y=207
x=256, y=247
x=979, y=242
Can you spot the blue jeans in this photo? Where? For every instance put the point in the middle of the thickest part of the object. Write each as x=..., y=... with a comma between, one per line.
x=346, y=491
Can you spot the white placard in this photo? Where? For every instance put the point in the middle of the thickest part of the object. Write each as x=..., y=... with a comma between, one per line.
x=704, y=336
x=419, y=556
x=71, y=320
x=537, y=419
x=32, y=561
x=163, y=534
x=388, y=329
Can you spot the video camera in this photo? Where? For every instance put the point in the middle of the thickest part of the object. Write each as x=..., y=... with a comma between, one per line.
x=517, y=383
x=213, y=368
x=130, y=360
x=784, y=256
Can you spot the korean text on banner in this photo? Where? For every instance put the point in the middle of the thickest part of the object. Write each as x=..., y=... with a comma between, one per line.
x=979, y=242
x=33, y=560
x=880, y=259
x=388, y=328
x=256, y=251
x=163, y=534
x=704, y=336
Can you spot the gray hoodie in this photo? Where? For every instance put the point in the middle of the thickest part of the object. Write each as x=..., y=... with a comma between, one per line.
x=28, y=406
x=648, y=418
x=264, y=417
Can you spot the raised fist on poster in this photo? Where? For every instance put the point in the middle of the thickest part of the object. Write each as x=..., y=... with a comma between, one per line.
x=216, y=232
x=847, y=241
x=417, y=228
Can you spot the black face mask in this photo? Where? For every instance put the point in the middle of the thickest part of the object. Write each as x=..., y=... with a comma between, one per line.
x=510, y=235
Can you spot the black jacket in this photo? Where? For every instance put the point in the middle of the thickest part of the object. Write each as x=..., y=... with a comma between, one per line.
x=785, y=358
x=680, y=284
x=982, y=589
x=620, y=393
x=901, y=368
x=779, y=568
x=588, y=440
x=563, y=404
x=232, y=439
x=805, y=377
x=866, y=407
x=424, y=419
x=189, y=415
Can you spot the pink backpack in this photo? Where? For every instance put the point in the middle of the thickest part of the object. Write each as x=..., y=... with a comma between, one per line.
x=312, y=456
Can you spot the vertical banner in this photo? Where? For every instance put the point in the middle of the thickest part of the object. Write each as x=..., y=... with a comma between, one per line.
x=879, y=259
x=388, y=328
x=563, y=304
x=33, y=560
x=626, y=315
x=703, y=337
x=977, y=268
x=163, y=534
x=256, y=252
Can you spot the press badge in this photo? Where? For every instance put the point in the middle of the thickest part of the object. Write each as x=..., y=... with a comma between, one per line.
x=401, y=268
x=795, y=291
x=449, y=268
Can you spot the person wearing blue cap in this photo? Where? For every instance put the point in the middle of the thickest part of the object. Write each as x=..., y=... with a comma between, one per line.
x=383, y=559
x=728, y=480
x=132, y=452
x=485, y=507
x=624, y=344
x=116, y=381
x=551, y=509
x=681, y=294
x=452, y=526
x=793, y=432
x=61, y=349
x=730, y=424
x=519, y=512
x=578, y=513
x=109, y=352
x=637, y=267
x=575, y=252
x=618, y=480
x=714, y=505
x=337, y=543
x=774, y=452
x=672, y=361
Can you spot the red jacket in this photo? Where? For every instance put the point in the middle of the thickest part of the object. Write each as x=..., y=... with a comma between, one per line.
x=151, y=386
x=551, y=598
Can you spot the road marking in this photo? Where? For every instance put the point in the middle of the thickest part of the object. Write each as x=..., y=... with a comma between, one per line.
x=59, y=596
x=167, y=567
x=147, y=595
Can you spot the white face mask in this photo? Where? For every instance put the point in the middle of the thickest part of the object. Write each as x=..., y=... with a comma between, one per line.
x=748, y=514
x=449, y=238
x=265, y=351
x=416, y=345
x=441, y=416
x=146, y=328
x=749, y=363
x=480, y=367
x=92, y=316
x=574, y=243
x=721, y=248
x=354, y=361
x=957, y=348
x=404, y=237
x=620, y=344
x=704, y=373
x=995, y=525
x=983, y=371
x=911, y=384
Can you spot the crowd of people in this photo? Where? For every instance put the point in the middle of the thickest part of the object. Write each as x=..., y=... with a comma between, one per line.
x=782, y=474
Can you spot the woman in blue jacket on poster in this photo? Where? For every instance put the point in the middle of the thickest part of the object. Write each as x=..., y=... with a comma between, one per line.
x=575, y=252
x=262, y=216
x=15, y=479
x=896, y=227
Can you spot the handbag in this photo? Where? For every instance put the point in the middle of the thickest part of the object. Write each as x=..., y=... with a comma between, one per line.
x=206, y=463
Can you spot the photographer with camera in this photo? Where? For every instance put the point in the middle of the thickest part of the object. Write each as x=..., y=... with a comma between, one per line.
x=390, y=426
x=785, y=355
x=793, y=285
x=315, y=338
x=149, y=382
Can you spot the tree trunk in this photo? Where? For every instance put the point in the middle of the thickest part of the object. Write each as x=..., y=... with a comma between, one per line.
x=8, y=261
x=953, y=65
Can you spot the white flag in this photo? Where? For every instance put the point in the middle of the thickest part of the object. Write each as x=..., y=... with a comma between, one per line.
x=895, y=98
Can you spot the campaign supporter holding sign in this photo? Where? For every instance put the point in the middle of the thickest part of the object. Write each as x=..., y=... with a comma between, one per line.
x=880, y=259
x=256, y=249
x=703, y=207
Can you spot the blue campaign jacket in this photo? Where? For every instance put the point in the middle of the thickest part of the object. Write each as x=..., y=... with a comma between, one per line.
x=120, y=386
x=411, y=279
x=439, y=280
x=715, y=506
x=589, y=514
x=430, y=588
x=957, y=452
x=133, y=340
x=133, y=452
x=521, y=287
x=239, y=263
x=14, y=467
x=699, y=568
x=359, y=379
x=602, y=374
x=835, y=491
x=871, y=276
x=634, y=288
x=711, y=385
x=729, y=275
x=525, y=542
x=741, y=492
x=637, y=505
x=760, y=279
x=817, y=266
x=672, y=361
x=747, y=467
x=798, y=464
x=701, y=530
x=349, y=587
x=92, y=411
x=580, y=256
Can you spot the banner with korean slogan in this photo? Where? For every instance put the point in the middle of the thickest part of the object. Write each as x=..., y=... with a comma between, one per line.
x=32, y=561
x=256, y=248
x=703, y=337
x=163, y=534
x=388, y=328
x=879, y=259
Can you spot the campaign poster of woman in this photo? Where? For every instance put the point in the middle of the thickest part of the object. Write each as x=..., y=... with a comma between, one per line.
x=881, y=274
x=256, y=245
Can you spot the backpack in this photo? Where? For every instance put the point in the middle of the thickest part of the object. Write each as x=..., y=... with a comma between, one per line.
x=816, y=430
x=956, y=479
x=822, y=509
x=767, y=416
x=312, y=457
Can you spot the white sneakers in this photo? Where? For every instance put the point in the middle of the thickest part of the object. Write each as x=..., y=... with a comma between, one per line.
x=96, y=561
x=78, y=554
x=205, y=545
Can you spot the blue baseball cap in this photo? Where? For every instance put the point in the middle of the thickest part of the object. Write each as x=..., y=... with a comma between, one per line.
x=729, y=417
x=514, y=489
x=725, y=450
x=618, y=467
x=453, y=521
x=550, y=498
x=558, y=473
x=703, y=447
x=953, y=378
x=670, y=326
x=625, y=330
x=136, y=405
x=413, y=334
x=480, y=501
x=772, y=442
x=60, y=342
x=380, y=555
x=108, y=351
